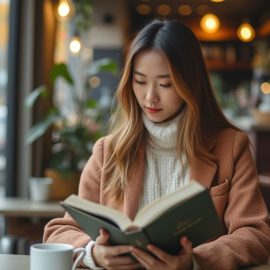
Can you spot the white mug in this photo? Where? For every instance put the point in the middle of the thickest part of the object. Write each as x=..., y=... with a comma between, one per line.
x=54, y=256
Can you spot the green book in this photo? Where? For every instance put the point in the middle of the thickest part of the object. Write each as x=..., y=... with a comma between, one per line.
x=188, y=211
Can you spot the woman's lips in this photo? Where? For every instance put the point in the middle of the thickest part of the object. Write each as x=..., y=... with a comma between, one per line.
x=152, y=110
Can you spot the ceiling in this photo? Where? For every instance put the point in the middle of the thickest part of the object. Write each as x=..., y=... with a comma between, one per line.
x=230, y=12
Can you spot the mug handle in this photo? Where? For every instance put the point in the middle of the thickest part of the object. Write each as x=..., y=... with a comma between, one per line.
x=79, y=258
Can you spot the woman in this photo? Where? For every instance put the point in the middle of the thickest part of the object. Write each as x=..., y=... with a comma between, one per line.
x=168, y=129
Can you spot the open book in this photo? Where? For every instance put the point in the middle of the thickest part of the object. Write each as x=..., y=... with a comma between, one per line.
x=187, y=211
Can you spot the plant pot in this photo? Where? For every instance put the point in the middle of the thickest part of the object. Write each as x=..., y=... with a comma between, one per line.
x=62, y=185
x=39, y=188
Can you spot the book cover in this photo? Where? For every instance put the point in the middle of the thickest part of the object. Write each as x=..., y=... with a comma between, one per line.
x=193, y=216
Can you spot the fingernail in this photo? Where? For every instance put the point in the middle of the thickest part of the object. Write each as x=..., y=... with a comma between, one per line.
x=185, y=239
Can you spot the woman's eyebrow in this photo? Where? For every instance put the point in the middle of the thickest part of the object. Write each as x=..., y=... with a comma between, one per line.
x=159, y=76
x=139, y=73
x=164, y=76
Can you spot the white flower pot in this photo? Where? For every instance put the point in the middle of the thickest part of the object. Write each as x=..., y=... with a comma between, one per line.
x=39, y=188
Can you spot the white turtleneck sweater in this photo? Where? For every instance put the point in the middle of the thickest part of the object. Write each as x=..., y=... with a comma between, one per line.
x=163, y=172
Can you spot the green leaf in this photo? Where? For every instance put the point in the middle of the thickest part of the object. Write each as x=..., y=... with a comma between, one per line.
x=40, y=128
x=61, y=70
x=105, y=64
x=33, y=96
x=91, y=104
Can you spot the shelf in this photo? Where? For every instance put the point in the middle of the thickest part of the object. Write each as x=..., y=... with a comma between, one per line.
x=214, y=65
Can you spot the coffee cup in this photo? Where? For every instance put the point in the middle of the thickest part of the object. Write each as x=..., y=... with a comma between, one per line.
x=55, y=256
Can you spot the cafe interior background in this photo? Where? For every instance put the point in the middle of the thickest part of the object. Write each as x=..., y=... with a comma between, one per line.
x=59, y=66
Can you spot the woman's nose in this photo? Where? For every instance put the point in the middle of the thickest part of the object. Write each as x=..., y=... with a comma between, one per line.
x=151, y=94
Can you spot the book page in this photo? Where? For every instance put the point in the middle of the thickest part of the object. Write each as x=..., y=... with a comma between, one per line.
x=156, y=208
x=99, y=210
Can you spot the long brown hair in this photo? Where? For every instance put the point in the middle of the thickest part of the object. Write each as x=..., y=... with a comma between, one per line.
x=202, y=115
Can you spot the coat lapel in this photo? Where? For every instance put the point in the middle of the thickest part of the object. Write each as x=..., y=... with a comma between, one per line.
x=134, y=188
x=204, y=171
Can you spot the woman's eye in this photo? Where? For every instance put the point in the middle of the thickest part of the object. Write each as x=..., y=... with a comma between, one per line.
x=167, y=85
x=140, y=82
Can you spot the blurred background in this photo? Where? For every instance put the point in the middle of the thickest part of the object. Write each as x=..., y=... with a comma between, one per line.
x=60, y=62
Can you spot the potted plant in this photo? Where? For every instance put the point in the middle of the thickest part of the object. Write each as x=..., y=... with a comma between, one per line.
x=73, y=134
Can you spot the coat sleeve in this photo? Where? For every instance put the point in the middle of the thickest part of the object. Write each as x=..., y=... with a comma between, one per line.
x=66, y=230
x=246, y=218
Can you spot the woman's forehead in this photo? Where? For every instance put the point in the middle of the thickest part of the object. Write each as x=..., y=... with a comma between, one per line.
x=151, y=61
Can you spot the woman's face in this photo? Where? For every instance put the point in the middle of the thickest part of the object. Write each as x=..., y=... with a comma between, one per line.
x=153, y=88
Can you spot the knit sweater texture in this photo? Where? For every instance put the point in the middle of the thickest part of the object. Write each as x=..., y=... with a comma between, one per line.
x=164, y=172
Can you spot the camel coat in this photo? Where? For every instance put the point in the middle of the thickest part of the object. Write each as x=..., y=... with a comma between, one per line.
x=230, y=175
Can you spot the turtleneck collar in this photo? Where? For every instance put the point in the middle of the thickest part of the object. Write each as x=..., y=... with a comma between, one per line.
x=164, y=134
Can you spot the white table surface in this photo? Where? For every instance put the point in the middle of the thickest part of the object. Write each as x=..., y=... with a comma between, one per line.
x=22, y=262
x=15, y=262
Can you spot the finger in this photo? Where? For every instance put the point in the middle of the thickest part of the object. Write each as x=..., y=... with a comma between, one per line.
x=163, y=256
x=187, y=245
x=145, y=259
x=125, y=266
x=121, y=260
x=103, y=238
x=141, y=260
x=118, y=250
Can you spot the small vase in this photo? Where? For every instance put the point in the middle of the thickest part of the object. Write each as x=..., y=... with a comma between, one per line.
x=39, y=188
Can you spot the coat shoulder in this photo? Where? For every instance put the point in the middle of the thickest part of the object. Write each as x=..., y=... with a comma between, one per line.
x=231, y=141
x=230, y=135
x=103, y=143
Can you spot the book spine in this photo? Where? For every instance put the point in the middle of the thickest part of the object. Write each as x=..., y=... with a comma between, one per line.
x=138, y=239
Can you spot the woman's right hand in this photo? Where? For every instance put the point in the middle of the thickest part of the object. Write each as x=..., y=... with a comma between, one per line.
x=111, y=257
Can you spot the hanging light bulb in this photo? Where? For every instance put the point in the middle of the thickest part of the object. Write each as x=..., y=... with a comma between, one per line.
x=184, y=10
x=265, y=88
x=246, y=32
x=164, y=10
x=75, y=45
x=65, y=9
x=143, y=9
x=210, y=23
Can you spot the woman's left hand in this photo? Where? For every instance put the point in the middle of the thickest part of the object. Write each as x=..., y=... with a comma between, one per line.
x=163, y=260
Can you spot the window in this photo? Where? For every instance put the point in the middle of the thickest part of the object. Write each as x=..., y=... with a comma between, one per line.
x=4, y=16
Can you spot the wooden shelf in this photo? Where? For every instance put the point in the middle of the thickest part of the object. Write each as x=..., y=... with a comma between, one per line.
x=214, y=65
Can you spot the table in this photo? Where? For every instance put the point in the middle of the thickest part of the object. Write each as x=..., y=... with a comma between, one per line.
x=22, y=262
x=17, y=207
x=15, y=262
